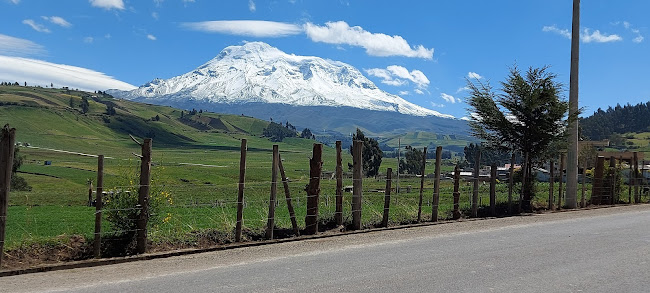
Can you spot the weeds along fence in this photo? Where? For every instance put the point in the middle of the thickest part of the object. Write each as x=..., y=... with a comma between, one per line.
x=129, y=208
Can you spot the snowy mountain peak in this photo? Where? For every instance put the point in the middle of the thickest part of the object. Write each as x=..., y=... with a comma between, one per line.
x=259, y=73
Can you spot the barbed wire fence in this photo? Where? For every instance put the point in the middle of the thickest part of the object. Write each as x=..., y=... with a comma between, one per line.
x=189, y=214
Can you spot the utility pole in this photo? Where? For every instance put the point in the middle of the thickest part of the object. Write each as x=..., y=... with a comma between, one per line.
x=572, y=152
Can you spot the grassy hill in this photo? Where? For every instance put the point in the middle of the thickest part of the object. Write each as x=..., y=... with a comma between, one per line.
x=195, y=159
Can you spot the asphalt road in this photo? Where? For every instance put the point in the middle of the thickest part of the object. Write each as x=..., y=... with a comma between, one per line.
x=604, y=250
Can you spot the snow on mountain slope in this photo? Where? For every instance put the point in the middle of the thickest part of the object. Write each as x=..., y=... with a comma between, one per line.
x=258, y=73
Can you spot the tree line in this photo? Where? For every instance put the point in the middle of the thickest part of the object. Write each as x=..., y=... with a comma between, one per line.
x=616, y=120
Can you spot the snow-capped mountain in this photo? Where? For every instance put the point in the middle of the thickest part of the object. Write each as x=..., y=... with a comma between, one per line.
x=258, y=73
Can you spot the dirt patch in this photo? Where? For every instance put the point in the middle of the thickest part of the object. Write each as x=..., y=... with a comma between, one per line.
x=63, y=249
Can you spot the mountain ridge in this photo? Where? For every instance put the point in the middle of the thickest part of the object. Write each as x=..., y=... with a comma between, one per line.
x=258, y=72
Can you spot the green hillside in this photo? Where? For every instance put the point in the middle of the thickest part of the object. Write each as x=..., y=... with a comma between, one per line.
x=195, y=160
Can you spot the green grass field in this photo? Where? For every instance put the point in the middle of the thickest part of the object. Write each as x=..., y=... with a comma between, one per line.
x=195, y=160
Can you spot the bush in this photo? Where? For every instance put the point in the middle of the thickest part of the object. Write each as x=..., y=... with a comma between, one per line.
x=121, y=210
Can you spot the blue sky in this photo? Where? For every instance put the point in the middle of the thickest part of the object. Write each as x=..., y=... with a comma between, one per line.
x=421, y=50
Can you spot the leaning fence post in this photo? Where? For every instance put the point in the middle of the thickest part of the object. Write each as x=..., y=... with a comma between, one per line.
x=436, y=186
x=357, y=184
x=274, y=187
x=99, y=205
x=240, y=194
x=493, y=189
x=143, y=195
x=7, y=146
x=456, y=211
x=424, y=165
x=477, y=166
x=313, y=190
x=287, y=194
x=551, y=182
x=384, y=221
x=338, y=214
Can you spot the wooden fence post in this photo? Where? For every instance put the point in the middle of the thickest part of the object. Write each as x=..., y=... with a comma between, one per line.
x=270, y=221
x=389, y=174
x=477, y=166
x=456, y=195
x=597, y=184
x=338, y=214
x=99, y=205
x=560, y=191
x=510, y=183
x=551, y=182
x=637, y=198
x=357, y=184
x=583, y=200
x=313, y=190
x=90, y=193
x=436, y=186
x=493, y=189
x=7, y=146
x=240, y=194
x=524, y=178
x=630, y=182
x=612, y=170
x=424, y=165
x=287, y=195
x=143, y=195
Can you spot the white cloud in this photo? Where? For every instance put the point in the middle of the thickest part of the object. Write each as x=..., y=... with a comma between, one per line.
x=60, y=21
x=396, y=75
x=151, y=37
x=19, y=47
x=252, y=28
x=251, y=6
x=473, y=75
x=108, y=36
x=89, y=40
x=419, y=91
x=36, y=26
x=586, y=35
x=462, y=89
x=638, y=38
x=43, y=73
x=376, y=44
x=449, y=98
x=436, y=105
x=404, y=93
x=415, y=76
x=108, y=4
x=155, y=15
x=14, y=1
x=158, y=2
x=562, y=32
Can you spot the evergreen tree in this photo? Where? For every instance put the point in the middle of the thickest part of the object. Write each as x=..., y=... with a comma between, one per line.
x=527, y=117
x=85, y=106
x=306, y=133
x=371, y=153
x=412, y=161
